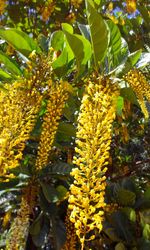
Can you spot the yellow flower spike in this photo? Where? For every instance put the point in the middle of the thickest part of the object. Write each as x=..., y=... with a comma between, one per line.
x=20, y=227
x=57, y=97
x=71, y=238
x=141, y=87
x=97, y=113
x=18, y=115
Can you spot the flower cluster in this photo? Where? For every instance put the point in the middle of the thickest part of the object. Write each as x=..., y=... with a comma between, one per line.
x=141, y=88
x=18, y=112
x=131, y=6
x=57, y=96
x=97, y=113
x=47, y=9
x=76, y=3
x=20, y=227
x=71, y=238
x=2, y=6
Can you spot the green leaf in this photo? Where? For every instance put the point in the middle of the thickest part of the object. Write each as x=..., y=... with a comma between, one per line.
x=146, y=231
x=85, y=30
x=4, y=76
x=122, y=226
x=43, y=42
x=81, y=48
x=120, y=105
x=129, y=94
x=144, y=60
x=19, y=40
x=57, y=40
x=60, y=65
x=125, y=197
x=50, y=193
x=134, y=57
x=39, y=239
x=36, y=225
x=67, y=27
x=130, y=212
x=99, y=33
x=145, y=14
x=67, y=129
x=115, y=38
x=120, y=246
x=147, y=193
x=8, y=185
x=10, y=64
x=62, y=191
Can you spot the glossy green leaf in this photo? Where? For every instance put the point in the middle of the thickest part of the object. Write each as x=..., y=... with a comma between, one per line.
x=99, y=33
x=57, y=40
x=10, y=64
x=85, y=30
x=115, y=38
x=60, y=65
x=81, y=48
x=19, y=40
x=4, y=76
x=67, y=27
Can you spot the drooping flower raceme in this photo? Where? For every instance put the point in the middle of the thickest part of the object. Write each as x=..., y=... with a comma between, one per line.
x=18, y=234
x=141, y=87
x=57, y=97
x=18, y=112
x=97, y=113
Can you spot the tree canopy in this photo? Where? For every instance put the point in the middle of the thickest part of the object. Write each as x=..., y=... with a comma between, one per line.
x=74, y=125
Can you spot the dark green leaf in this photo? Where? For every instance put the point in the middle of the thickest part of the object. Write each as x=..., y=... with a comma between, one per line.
x=67, y=129
x=120, y=246
x=35, y=228
x=39, y=239
x=62, y=191
x=9, y=184
x=43, y=42
x=50, y=193
x=125, y=197
x=99, y=33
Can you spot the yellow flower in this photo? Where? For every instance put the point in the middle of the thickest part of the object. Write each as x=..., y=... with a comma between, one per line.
x=20, y=227
x=57, y=97
x=18, y=112
x=97, y=113
x=2, y=6
x=141, y=88
x=131, y=6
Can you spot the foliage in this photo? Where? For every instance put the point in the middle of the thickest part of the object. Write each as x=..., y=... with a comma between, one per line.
x=52, y=52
